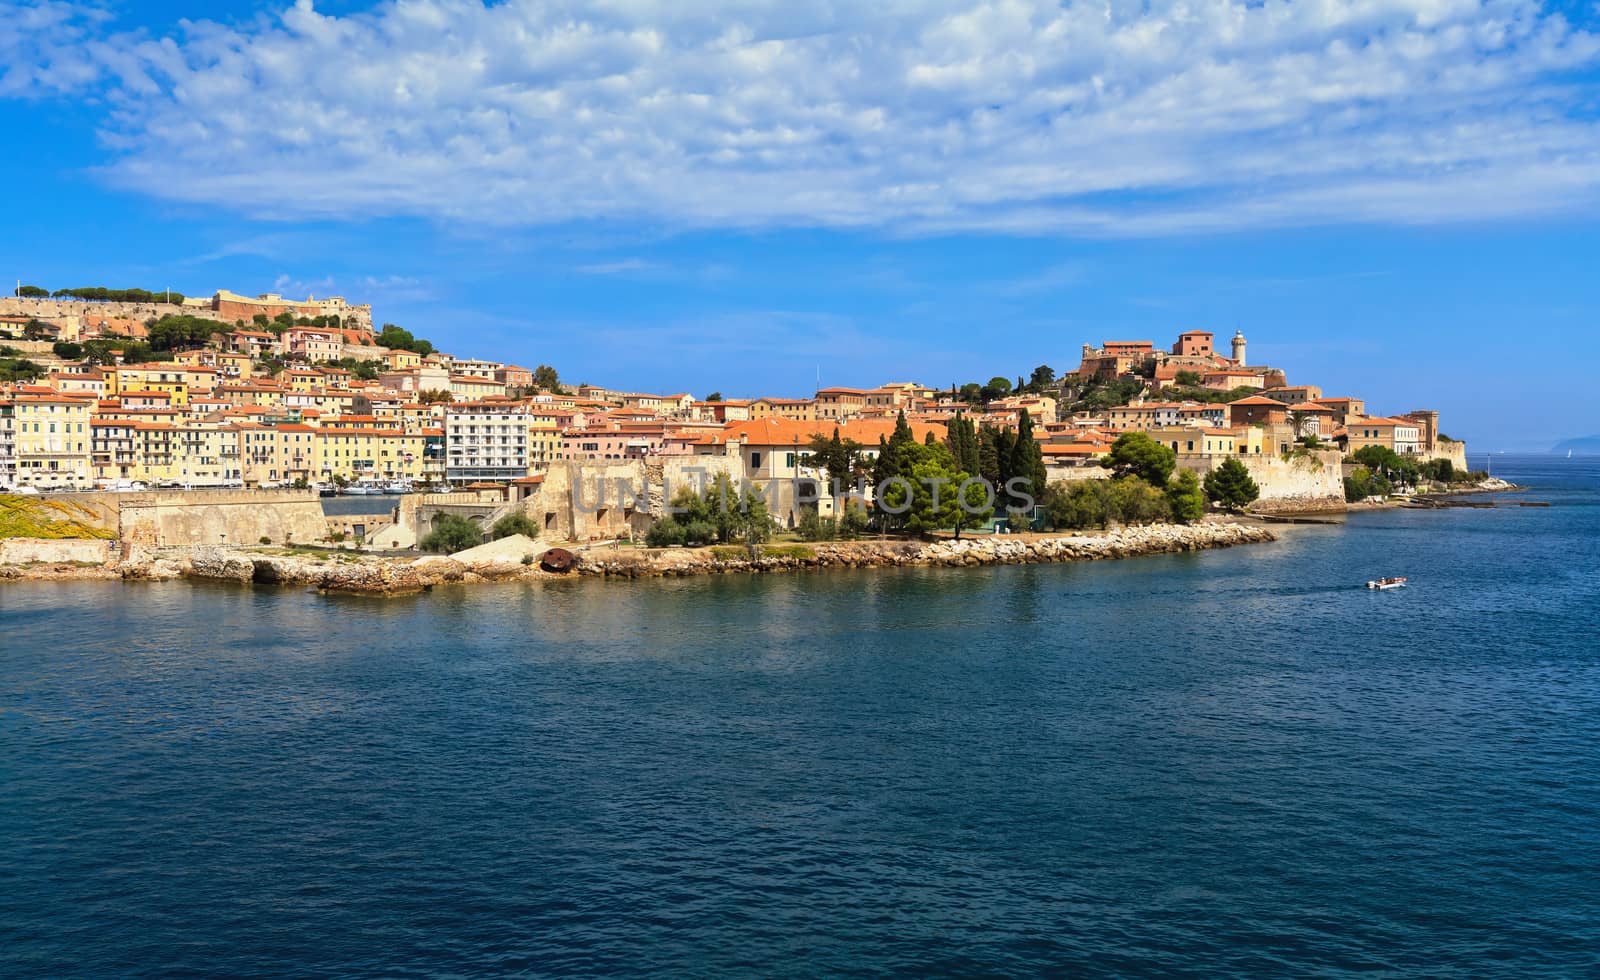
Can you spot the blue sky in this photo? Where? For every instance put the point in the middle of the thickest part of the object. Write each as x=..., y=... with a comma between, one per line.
x=1392, y=198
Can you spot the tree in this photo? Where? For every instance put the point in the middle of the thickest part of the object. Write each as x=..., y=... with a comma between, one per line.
x=997, y=387
x=723, y=512
x=931, y=503
x=715, y=396
x=183, y=332
x=66, y=350
x=665, y=533
x=989, y=456
x=1185, y=499
x=1230, y=485
x=852, y=521
x=435, y=396
x=1385, y=461
x=1042, y=379
x=1135, y=501
x=1188, y=379
x=1079, y=504
x=19, y=369
x=398, y=338
x=961, y=438
x=511, y=524
x=1298, y=420
x=840, y=457
x=1027, y=459
x=36, y=330
x=1136, y=454
x=451, y=533
x=32, y=292
x=544, y=376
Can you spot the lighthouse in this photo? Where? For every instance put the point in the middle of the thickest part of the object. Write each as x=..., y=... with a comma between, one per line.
x=1238, y=348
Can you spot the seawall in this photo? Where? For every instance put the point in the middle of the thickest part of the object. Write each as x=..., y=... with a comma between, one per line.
x=373, y=575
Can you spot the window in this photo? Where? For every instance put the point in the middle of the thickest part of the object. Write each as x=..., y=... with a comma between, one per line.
x=755, y=461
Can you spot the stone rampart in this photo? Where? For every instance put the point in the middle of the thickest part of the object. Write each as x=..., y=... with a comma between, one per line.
x=221, y=517
x=1307, y=481
x=23, y=551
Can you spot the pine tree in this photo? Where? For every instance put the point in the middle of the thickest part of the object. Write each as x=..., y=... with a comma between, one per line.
x=1231, y=486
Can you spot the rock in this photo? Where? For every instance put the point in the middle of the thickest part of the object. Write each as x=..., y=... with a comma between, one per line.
x=495, y=554
x=217, y=563
x=437, y=569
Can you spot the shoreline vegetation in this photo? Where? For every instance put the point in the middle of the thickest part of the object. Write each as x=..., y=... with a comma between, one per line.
x=518, y=559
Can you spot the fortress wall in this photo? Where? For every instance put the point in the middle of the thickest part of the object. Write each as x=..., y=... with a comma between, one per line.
x=1308, y=482
x=216, y=517
x=21, y=551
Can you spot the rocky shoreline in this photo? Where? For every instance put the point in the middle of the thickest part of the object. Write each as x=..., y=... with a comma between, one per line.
x=371, y=575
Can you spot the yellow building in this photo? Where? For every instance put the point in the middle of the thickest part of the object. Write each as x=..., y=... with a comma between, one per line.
x=112, y=454
x=301, y=379
x=793, y=409
x=169, y=378
x=155, y=448
x=45, y=441
x=400, y=360
x=207, y=455
x=467, y=387
x=1189, y=441
x=544, y=440
x=263, y=395
x=369, y=454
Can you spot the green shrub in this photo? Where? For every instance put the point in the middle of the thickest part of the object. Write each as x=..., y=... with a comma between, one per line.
x=451, y=533
x=664, y=534
x=511, y=524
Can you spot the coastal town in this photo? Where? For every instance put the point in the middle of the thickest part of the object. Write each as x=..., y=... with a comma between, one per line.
x=261, y=402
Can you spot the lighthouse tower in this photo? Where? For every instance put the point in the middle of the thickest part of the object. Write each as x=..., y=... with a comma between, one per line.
x=1238, y=348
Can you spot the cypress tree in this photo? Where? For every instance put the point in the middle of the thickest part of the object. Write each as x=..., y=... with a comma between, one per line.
x=1027, y=457
x=953, y=434
x=1005, y=444
x=886, y=465
x=988, y=457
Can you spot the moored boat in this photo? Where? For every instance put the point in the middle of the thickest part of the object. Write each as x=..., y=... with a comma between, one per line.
x=1396, y=582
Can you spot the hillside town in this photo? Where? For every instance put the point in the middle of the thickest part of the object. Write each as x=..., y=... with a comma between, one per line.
x=232, y=392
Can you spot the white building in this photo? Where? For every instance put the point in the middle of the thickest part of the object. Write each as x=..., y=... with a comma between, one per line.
x=486, y=441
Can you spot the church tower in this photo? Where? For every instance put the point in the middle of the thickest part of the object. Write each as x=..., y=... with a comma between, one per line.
x=1238, y=348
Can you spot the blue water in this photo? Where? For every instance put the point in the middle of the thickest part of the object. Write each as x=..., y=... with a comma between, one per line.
x=1230, y=763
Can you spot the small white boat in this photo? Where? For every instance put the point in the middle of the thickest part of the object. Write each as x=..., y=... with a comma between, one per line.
x=1398, y=582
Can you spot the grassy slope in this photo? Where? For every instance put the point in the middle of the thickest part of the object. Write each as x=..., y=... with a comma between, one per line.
x=35, y=517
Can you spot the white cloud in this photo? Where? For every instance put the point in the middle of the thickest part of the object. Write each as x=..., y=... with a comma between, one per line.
x=620, y=267
x=1117, y=117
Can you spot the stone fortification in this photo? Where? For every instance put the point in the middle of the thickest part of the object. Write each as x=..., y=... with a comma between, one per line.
x=1308, y=481
x=163, y=518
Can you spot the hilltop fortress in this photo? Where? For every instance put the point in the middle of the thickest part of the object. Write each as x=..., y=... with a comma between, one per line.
x=78, y=318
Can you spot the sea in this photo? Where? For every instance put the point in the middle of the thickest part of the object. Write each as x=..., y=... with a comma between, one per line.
x=1232, y=763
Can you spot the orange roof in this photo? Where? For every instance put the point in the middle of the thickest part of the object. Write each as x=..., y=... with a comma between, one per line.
x=781, y=432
